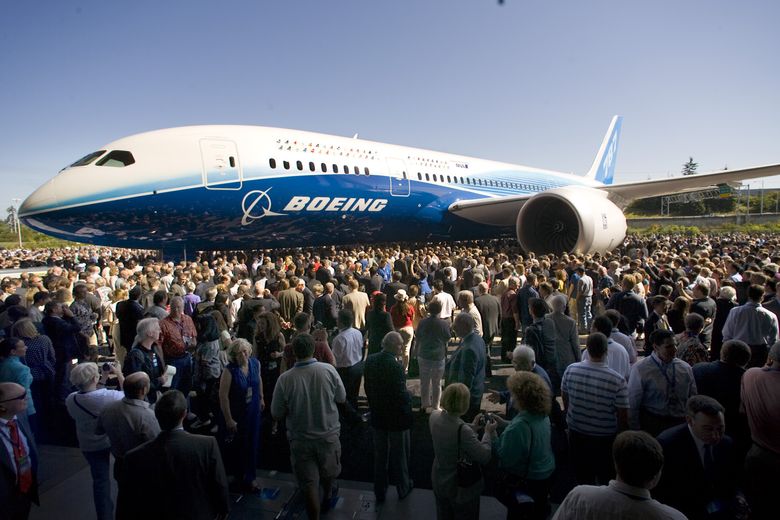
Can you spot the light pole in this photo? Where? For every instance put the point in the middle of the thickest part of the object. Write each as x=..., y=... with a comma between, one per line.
x=16, y=220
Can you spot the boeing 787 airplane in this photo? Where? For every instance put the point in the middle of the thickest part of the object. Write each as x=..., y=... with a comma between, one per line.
x=241, y=187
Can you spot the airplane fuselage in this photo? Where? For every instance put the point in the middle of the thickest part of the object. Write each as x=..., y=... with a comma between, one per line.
x=238, y=187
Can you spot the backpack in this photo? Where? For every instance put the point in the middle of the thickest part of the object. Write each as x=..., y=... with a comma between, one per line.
x=691, y=350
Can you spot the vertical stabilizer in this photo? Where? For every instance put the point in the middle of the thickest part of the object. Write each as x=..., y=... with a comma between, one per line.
x=603, y=169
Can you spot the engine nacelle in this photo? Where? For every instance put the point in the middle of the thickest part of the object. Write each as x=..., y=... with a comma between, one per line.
x=571, y=219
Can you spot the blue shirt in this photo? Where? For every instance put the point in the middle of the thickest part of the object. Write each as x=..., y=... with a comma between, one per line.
x=594, y=392
x=12, y=370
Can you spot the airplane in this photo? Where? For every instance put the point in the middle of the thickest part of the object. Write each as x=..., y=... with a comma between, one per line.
x=250, y=187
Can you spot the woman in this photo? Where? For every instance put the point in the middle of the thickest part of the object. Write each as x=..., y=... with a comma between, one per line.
x=402, y=315
x=524, y=451
x=208, y=367
x=241, y=402
x=676, y=315
x=221, y=305
x=433, y=334
x=378, y=323
x=269, y=347
x=85, y=407
x=12, y=370
x=41, y=359
x=146, y=356
x=449, y=432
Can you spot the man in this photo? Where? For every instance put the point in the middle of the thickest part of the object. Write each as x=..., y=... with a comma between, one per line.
x=290, y=301
x=657, y=318
x=638, y=462
x=325, y=308
x=306, y=398
x=447, y=302
x=510, y=319
x=722, y=380
x=595, y=399
x=761, y=402
x=540, y=336
x=348, y=351
x=467, y=364
x=629, y=304
x=159, y=303
x=524, y=295
x=584, y=298
x=395, y=286
x=176, y=475
x=699, y=477
x=18, y=456
x=391, y=416
x=659, y=387
x=466, y=304
x=567, y=340
x=60, y=326
x=752, y=324
x=523, y=360
x=617, y=357
x=129, y=312
x=178, y=336
x=618, y=337
x=705, y=307
x=129, y=422
x=489, y=308
x=357, y=302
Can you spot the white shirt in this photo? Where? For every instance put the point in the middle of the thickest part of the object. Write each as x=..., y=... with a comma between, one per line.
x=447, y=304
x=86, y=421
x=617, y=501
x=348, y=348
x=5, y=434
x=617, y=358
x=752, y=324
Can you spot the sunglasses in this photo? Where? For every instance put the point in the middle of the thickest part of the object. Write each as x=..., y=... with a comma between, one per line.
x=17, y=398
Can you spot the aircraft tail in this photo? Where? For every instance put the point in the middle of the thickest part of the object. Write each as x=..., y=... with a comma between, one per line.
x=603, y=169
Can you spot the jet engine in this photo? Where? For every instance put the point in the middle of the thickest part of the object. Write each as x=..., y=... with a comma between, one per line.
x=570, y=219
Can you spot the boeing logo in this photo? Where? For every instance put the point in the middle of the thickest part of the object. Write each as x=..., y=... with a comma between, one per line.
x=254, y=198
x=257, y=205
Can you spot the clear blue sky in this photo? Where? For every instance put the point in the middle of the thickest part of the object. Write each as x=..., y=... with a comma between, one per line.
x=529, y=82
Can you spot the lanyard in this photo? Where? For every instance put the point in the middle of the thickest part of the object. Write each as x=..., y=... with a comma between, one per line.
x=671, y=382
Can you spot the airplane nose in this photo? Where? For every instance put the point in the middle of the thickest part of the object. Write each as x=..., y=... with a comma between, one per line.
x=41, y=199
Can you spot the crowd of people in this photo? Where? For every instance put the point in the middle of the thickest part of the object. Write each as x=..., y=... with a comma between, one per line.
x=671, y=410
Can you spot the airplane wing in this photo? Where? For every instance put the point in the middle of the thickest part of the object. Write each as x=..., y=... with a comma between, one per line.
x=623, y=193
x=498, y=211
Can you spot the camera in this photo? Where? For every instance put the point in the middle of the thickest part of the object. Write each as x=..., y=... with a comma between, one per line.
x=486, y=418
x=107, y=367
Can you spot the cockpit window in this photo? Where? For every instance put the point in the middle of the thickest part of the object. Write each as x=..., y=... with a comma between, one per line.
x=117, y=159
x=87, y=159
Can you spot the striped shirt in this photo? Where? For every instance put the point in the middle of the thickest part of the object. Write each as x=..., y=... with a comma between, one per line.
x=594, y=392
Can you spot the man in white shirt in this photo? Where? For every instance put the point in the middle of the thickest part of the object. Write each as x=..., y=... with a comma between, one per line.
x=638, y=461
x=617, y=357
x=348, y=351
x=584, y=299
x=447, y=302
x=754, y=325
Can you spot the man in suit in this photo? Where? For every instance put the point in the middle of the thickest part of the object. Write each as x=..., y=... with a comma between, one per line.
x=176, y=475
x=467, y=364
x=391, y=416
x=18, y=456
x=699, y=477
x=393, y=287
x=489, y=308
x=129, y=313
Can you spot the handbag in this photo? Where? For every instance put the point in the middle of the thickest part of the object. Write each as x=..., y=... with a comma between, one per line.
x=468, y=472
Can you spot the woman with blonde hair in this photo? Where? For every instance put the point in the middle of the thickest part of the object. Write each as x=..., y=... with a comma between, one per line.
x=453, y=440
x=241, y=401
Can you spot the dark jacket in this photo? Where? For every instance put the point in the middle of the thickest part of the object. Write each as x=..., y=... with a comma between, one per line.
x=684, y=484
x=489, y=308
x=62, y=333
x=326, y=311
x=148, y=361
x=377, y=325
x=8, y=490
x=630, y=305
x=129, y=313
x=388, y=397
x=176, y=475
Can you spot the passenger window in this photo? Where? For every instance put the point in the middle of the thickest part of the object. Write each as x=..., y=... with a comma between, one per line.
x=449, y=179
x=435, y=179
x=419, y=176
x=335, y=168
x=299, y=164
x=87, y=159
x=311, y=166
x=346, y=169
x=272, y=163
x=324, y=168
x=286, y=165
x=365, y=170
x=117, y=159
x=357, y=170
x=427, y=177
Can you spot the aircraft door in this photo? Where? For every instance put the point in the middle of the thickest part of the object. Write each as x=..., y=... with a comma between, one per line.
x=221, y=168
x=399, y=177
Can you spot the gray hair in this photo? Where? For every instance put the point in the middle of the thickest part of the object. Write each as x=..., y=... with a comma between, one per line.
x=728, y=293
x=558, y=303
x=144, y=327
x=83, y=375
x=523, y=358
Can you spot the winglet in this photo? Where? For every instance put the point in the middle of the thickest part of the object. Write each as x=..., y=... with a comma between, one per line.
x=603, y=169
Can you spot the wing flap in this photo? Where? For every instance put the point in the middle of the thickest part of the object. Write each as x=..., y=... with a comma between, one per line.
x=622, y=194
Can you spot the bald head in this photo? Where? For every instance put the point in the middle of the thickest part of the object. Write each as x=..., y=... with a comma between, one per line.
x=136, y=385
x=12, y=400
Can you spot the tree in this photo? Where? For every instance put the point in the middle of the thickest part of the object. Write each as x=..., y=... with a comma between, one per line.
x=690, y=167
x=10, y=219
